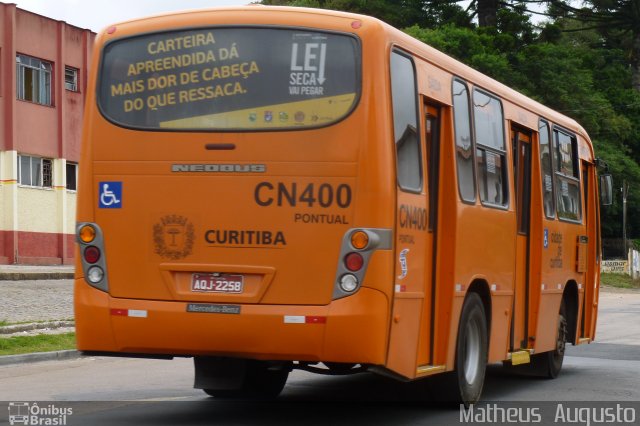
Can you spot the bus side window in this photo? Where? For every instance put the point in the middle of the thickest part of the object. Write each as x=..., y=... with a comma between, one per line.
x=491, y=153
x=464, y=144
x=405, y=120
x=567, y=177
x=547, y=175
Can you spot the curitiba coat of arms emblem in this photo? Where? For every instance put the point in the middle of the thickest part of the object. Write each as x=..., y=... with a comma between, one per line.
x=173, y=237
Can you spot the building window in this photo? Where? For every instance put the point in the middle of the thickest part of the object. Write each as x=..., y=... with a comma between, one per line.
x=72, y=176
x=35, y=171
x=33, y=78
x=491, y=153
x=71, y=79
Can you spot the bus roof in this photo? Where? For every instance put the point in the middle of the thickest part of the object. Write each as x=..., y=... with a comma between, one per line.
x=417, y=47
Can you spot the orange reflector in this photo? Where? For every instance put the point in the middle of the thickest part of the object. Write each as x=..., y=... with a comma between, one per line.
x=87, y=233
x=359, y=240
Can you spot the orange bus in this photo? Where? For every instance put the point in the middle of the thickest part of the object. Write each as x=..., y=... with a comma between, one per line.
x=267, y=188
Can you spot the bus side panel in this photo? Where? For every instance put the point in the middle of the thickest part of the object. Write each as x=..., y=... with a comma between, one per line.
x=501, y=307
x=447, y=307
x=485, y=255
x=558, y=269
x=92, y=318
x=358, y=329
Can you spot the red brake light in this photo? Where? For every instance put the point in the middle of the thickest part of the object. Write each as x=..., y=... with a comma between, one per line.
x=353, y=261
x=91, y=254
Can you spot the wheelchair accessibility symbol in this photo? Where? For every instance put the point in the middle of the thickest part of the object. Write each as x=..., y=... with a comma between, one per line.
x=110, y=195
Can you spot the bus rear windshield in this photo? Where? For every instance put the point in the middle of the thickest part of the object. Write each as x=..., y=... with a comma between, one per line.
x=226, y=78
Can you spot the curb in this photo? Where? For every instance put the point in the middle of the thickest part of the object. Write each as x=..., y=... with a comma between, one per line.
x=20, y=276
x=18, y=328
x=38, y=357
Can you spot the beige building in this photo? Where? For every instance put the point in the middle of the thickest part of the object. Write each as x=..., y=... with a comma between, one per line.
x=43, y=78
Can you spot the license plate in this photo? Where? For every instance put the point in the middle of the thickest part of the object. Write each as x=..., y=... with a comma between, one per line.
x=217, y=283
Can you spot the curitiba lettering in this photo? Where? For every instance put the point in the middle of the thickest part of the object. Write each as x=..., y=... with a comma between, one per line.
x=244, y=238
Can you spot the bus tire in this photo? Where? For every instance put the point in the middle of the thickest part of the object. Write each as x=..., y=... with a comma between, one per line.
x=260, y=381
x=471, y=351
x=549, y=364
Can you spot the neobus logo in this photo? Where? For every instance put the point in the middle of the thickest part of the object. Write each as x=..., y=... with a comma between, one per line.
x=219, y=168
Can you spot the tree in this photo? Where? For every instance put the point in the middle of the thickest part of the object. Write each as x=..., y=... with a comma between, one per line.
x=618, y=20
x=487, y=11
x=399, y=13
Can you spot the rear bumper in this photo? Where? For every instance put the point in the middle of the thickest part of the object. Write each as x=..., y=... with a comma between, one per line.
x=353, y=329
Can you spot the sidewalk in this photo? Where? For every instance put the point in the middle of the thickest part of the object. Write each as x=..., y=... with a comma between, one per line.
x=40, y=300
x=30, y=272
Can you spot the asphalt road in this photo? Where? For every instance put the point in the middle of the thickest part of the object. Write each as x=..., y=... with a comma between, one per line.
x=160, y=392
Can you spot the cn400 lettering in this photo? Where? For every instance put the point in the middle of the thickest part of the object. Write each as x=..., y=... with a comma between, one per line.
x=283, y=194
x=412, y=217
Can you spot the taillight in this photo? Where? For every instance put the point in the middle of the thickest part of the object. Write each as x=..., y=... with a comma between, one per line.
x=95, y=274
x=92, y=254
x=87, y=234
x=356, y=250
x=359, y=240
x=353, y=261
x=348, y=283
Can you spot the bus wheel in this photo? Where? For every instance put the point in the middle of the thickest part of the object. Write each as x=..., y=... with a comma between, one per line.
x=471, y=351
x=549, y=364
x=260, y=380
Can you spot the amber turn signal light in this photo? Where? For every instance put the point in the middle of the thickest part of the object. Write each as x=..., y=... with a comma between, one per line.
x=87, y=233
x=359, y=240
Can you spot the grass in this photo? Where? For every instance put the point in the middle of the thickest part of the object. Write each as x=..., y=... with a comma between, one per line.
x=40, y=343
x=619, y=281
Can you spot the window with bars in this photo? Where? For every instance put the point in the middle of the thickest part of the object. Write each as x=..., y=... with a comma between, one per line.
x=71, y=79
x=35, y=171
x=33, y=80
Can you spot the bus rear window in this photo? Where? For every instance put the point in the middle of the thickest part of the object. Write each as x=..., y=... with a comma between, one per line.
x=230, y=79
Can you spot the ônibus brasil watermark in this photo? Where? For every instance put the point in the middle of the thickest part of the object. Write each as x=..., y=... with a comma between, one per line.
x=32, y=413
x=586, y=414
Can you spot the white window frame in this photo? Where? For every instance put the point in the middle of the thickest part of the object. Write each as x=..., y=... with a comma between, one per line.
x=41, y=91
x=43, y=178
x=72, y=83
